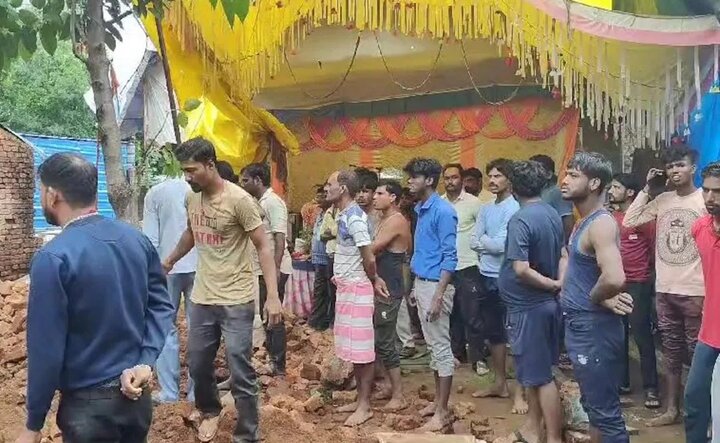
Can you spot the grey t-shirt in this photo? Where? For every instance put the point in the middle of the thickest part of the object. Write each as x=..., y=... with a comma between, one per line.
x=552, y=196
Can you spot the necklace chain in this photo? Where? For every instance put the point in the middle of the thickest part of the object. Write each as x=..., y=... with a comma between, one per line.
x=80, y=217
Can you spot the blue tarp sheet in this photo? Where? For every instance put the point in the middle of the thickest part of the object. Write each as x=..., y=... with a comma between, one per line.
x=45, y=146
x=704, y=134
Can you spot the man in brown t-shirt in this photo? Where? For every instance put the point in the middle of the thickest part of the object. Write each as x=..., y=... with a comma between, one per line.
x=224, y=223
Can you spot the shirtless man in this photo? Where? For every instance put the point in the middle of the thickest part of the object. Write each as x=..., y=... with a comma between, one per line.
x=591, y=298
x=368, y=182
x=390, y=244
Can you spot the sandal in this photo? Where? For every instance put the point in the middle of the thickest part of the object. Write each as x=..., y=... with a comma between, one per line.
x=208, y=428
x=652, y=400
x=625, y=390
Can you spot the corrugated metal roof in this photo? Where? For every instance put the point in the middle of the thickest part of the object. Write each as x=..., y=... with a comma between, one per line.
x=45, y=146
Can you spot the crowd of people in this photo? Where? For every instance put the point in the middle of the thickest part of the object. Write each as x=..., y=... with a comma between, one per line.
x=515, y=274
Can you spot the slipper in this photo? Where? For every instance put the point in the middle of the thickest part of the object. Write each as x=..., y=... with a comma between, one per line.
x=206, y=431
x=652, y=400
x=625, y=390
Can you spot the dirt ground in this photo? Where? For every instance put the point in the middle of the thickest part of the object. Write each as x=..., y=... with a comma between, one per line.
x=298, y=408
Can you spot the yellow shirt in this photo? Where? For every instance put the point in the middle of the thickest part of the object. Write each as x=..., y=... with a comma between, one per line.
x=329, y=223
x=221, y=227
x=467, y=207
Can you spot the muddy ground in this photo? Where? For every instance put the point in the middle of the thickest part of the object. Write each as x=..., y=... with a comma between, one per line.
x=298, y=409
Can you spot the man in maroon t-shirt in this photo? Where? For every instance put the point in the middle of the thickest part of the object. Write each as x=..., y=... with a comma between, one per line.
x=637, y=246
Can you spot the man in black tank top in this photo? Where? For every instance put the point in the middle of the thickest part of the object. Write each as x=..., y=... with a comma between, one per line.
x=391, y=241
x=591, y=298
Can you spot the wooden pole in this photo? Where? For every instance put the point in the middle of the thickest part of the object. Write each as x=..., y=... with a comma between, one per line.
x=168, y=80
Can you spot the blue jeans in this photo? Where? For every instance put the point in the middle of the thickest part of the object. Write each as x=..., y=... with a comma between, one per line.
x=697, y=393
x=595, y=342
x=168, y=363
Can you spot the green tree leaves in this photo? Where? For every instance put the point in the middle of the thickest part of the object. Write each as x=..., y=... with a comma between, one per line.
x=45, y=95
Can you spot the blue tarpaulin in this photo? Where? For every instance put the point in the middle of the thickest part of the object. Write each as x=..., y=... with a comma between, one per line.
x=704, y=134
x=45, y=146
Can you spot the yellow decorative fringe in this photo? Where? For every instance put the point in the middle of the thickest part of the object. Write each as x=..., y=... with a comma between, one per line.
x=594, y=74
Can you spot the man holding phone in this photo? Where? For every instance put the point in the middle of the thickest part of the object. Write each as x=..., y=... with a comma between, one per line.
x=678, y=272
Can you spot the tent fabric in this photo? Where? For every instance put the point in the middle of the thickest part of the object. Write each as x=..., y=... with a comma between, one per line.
x=606, y=79
x=476, y=150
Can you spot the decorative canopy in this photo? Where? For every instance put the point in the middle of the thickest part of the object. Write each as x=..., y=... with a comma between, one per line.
x=610, y=65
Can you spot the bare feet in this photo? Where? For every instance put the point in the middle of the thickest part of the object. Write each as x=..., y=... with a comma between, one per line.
x=437, y=423
x=428, y=410
x=395, y=405
x=359, y=417
x=520, y=406
x=351, y=407
x=670, y=417
x=384, y=393
x=494, y=391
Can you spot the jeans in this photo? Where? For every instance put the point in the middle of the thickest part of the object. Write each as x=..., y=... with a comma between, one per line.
x=275, y=336
x=639, y=323
x=168, y=363
x=234, y=323
x=716, y=403
x=594, y=342
x=697, y=393
x=104, y=414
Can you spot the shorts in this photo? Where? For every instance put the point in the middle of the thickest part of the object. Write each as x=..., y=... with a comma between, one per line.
x=385, y=322
x=534, y=339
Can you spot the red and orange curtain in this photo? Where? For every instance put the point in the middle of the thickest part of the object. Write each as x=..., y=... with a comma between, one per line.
x=451, y=125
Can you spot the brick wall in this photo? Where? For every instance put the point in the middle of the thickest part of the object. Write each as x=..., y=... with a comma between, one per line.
x=17, y=239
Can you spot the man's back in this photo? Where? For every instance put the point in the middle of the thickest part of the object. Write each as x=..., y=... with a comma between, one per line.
x=535, y=235
x=87, y=315
x=165, y=220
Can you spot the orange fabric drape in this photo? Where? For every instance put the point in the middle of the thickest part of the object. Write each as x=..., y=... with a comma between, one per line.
x=517, y=120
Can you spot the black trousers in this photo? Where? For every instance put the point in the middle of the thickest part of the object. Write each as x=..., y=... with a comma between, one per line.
x=639, y=324
x=104, y=414
x=322, y=316
x=466, y=319
x=275, y=336
x=234, y=323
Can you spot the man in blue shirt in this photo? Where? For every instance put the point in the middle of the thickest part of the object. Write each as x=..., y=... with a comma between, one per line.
x=489, y=242
x=529, y=283
x=98, y=315
x=552, y=196
x=164, y=221
x=433, y=263
x=320, y=317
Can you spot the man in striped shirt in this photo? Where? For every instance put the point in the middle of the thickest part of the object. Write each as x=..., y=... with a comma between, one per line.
x=355, y=276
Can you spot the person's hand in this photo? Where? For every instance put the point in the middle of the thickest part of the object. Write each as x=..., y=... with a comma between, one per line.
x=273, y=311
x=167, y=266
x=381, y=288
x=556, y=286
x=654, y=172
x=28, y=436
x=435, y=309
x=133, y=380
x=621, y=304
